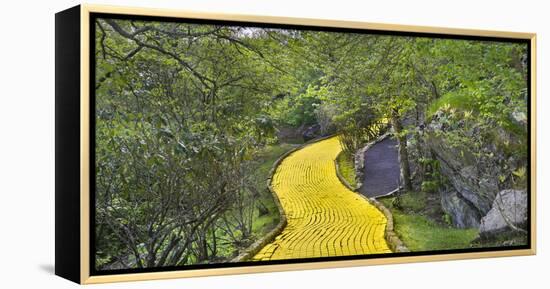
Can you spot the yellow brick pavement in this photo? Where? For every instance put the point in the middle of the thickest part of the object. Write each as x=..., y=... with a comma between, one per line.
x=324, y=218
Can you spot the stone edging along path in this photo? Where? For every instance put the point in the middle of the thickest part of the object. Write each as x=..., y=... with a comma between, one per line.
x=256, y=247
x=324, y=217
x=396, y=245
x=253, y=249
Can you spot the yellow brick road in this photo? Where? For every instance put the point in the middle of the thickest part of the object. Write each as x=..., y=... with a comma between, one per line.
x=324, y=218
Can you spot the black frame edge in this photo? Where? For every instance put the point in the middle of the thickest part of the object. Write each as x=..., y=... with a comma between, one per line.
x=67, y=144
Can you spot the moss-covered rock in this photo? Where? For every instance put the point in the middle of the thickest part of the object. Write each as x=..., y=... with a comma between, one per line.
x=474, y=163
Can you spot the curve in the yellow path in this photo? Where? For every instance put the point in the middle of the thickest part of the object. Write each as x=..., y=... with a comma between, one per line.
x=324, y=217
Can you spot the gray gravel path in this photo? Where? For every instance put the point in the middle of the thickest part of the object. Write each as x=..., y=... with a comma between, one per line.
x=381, y=169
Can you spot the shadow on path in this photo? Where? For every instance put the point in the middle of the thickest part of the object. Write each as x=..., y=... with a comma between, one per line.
x=381, y=169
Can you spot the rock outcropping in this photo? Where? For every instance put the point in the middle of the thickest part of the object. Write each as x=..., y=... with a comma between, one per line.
x=464, y=213
x=311, y=132
x=473, y=181
x=509, y=211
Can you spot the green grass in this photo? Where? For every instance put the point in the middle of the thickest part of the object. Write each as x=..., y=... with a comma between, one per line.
x=347, y=168
x=509, y=238
x=294, y=140
x=268, y=157
x=415, y=201
x=419, y=233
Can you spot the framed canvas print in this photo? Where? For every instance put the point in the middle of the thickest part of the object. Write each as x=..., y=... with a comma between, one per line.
x=193, y=144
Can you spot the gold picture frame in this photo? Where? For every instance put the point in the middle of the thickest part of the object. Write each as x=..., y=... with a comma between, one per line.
x=81, y=203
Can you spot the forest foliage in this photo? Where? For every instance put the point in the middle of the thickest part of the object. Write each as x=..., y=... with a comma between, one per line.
x=184, y=112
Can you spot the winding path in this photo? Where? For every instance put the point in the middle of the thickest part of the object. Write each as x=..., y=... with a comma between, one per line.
x=381, y=169
x=324, y=217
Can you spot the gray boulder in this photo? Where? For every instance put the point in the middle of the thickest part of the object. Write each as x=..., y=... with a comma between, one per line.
x=311, y=132
x=462, y=212
x=509, y=210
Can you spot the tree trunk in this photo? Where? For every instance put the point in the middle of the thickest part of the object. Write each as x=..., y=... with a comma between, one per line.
x=420, y=147
x=402, y=150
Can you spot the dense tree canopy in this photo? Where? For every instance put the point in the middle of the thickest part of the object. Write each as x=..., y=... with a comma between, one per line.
x=184, y=110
